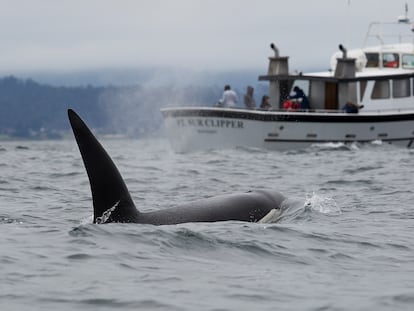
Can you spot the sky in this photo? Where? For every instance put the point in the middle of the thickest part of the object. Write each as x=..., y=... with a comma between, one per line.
x=200, y=35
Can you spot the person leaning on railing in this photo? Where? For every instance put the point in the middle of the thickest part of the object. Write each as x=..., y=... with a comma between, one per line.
x=229, y=98
x=350, y=107
x=265, y=104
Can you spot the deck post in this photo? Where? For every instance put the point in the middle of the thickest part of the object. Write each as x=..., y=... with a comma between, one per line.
x=277, y=66
x=346, y=69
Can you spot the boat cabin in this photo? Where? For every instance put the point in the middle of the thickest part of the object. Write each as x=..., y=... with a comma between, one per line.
x=379, y=78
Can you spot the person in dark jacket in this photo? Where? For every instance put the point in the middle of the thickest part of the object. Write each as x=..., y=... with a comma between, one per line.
x=299, y=94
x=352, y=108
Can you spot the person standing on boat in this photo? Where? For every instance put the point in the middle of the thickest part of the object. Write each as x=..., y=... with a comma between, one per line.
x=265, y=105
x=300, y=94
x=229, y=98
x=249, y=101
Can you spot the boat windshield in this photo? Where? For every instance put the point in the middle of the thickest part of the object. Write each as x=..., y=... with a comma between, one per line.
x=372, y=60
x=390, y=60
x=408, y=61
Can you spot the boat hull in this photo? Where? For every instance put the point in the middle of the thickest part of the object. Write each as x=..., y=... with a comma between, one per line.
x=201, y=128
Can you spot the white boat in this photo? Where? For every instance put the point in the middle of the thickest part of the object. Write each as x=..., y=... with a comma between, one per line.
x=378, y=78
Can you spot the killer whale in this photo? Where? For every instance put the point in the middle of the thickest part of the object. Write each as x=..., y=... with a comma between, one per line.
x=112, y=201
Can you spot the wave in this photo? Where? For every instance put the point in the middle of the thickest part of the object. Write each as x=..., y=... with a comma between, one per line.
x=322, y=204
x=4, y=219
x=303, y=210
x=335, y=146
x=21, y=147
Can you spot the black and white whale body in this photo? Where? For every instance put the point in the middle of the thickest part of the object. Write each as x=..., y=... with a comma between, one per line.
x=112, y=201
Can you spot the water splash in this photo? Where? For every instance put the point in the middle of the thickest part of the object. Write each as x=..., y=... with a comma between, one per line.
x=377, y=143
x=271, y=217
x=321, y=204
x=336, y=146
x=107, y=214
x=87, y=220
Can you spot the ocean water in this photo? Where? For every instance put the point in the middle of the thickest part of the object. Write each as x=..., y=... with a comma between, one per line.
x=344, y=242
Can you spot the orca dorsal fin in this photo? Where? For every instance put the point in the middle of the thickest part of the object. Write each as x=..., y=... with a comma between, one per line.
x=111, y=199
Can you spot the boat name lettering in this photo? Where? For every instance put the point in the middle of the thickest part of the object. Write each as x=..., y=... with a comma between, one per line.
x=210, y=123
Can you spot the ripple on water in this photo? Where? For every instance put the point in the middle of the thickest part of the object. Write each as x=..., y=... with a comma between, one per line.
x=362, y=254
x=4, y=219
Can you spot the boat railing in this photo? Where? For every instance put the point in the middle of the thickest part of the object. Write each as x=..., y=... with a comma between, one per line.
x=384, y=31
x=387, y=111
x=341, y=111
x=362, y=111
x=329, y=111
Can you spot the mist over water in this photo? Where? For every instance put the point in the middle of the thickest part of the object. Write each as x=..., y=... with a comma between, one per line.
x=135, y=110
x=344, y=240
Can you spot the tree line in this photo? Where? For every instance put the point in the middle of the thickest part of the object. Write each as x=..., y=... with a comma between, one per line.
x=32, y=110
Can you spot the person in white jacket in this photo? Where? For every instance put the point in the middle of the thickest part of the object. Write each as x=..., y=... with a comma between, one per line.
x=229, y=98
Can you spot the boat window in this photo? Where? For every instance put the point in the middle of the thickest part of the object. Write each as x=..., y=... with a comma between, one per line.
x=390, y=60
x=408, y=61
x=381, y=89
x=372, y=59
x=401, y=88
x=303, y=84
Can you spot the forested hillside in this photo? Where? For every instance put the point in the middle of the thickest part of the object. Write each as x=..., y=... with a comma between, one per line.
x=32, y=110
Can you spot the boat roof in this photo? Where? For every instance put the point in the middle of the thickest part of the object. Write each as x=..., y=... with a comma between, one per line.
x=328, y=76
x=366, y=73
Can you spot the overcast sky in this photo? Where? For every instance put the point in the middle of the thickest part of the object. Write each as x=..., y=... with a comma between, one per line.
x=72, y=35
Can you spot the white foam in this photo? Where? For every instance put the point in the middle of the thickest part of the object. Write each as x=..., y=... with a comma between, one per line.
x=105, y=215
x=271, y=217
x=321, y=204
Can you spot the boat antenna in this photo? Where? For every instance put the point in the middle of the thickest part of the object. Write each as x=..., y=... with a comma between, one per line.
x=404, y=18
x=349, y=28
x=275, y=49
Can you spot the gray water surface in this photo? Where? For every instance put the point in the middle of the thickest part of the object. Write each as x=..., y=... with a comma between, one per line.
x=345, y=241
